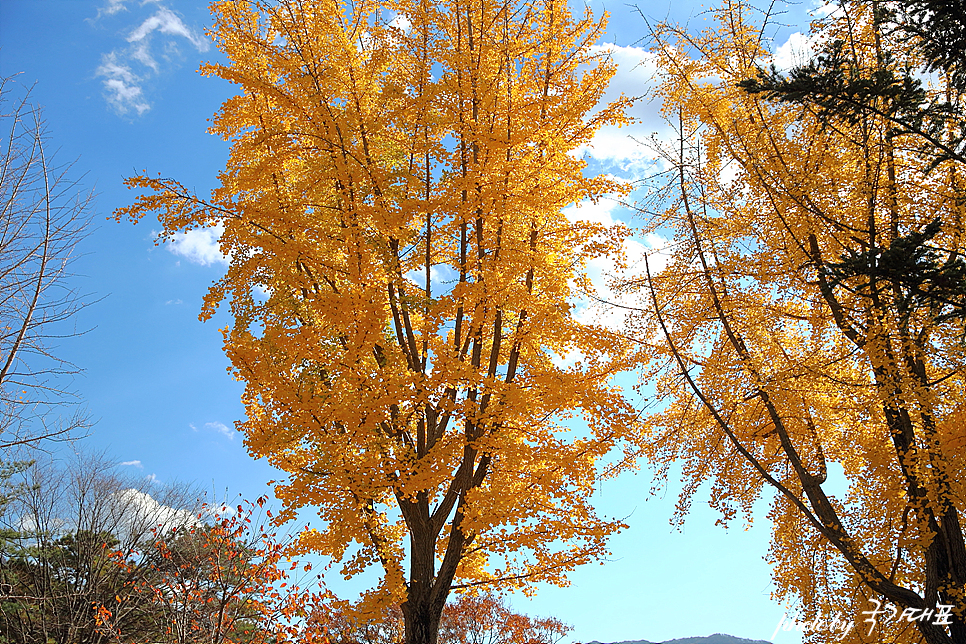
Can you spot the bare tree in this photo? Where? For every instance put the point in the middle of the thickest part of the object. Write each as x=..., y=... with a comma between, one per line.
x=72, y=540
x=467, y=619
x=44, y=213
x=91, y=555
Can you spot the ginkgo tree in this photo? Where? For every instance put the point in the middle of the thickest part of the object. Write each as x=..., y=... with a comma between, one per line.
x=807, y=330
x=401, y=280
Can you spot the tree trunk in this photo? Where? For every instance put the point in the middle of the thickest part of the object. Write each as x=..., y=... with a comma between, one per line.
x=422, y=616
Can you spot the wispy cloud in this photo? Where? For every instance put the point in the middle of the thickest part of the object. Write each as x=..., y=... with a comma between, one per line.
x=124, y=70
x=222, y=429
x=136, y=464
x=122, y=86
x=112, y=7
x=167, y=22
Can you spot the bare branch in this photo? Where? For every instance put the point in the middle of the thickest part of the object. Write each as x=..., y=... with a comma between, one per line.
x=44, y=214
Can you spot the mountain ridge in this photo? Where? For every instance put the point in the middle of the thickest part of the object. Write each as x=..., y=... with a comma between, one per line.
x=717, y=638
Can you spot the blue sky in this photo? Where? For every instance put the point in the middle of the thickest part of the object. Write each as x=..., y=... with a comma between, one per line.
x=119, y=86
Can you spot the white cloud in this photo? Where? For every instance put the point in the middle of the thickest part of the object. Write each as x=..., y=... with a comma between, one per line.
x=136, y=464
x=142, y=509
x=797, y=50
x=142, y=54
x=821, y=9
x=601, y=212
x=440, y=275
x=122, y=86
x=401, y=22
x=167, y=22
x=607, y=307
x=222, y=510
x=199, y=246
x=603, y=306
x=112, y=7
x=570, y=359
x=222, y=429
x=635, y=78
x=125, y=69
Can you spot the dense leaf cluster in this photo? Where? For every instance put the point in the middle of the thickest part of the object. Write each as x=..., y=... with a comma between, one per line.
x=812, y=310
x=401, y=279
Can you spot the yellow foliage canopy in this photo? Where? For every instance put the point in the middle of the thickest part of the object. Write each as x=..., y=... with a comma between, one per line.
x=791, y=351
x=401, y=278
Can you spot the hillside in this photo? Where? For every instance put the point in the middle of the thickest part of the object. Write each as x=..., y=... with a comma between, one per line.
x=717, y=638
